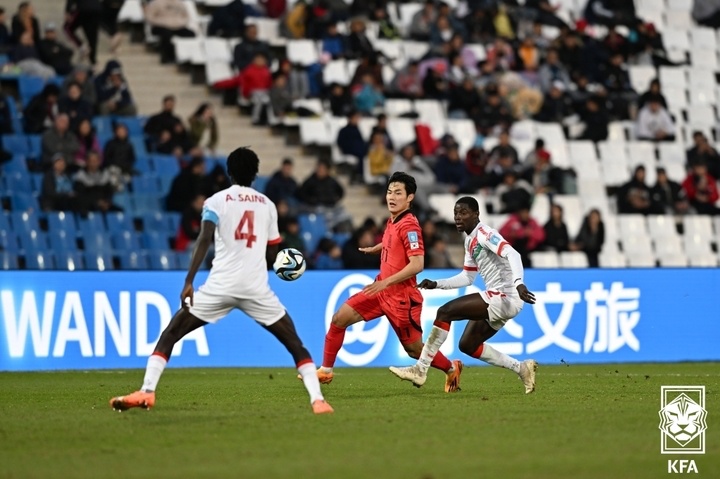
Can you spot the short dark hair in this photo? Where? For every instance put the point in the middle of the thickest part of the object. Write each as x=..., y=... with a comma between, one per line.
x=287, y=161
x=243, y=165
x=405, y=179
x=470, y=202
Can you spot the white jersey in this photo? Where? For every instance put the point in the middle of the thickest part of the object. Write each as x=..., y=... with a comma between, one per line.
x=483, y=249
x=246, y=222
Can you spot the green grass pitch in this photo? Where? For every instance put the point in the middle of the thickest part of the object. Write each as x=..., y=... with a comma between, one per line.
x=582, y=422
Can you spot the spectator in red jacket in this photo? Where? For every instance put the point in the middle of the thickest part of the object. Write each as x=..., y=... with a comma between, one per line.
x=701, y=190
x=254, y=83
x=523, y=233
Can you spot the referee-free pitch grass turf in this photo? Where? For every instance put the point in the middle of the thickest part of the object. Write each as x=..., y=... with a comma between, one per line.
x=583, y=422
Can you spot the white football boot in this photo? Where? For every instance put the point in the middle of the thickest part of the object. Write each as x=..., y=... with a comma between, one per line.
x=410, y=373
x=527, y=374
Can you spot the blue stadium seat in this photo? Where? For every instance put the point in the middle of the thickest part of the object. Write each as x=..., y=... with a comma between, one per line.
x=103, y=139
x=183, y=259
x=62, y=221
x=15, y=116
x=133, y=261
x=8, y=260
x=125, y=241
x=143, y=185
x=20, y=182
x=341, y=238
x=35, y=142
x=144, y=165
x=61, y=240
x=124, y=201
x=154, y=221
x=165, y=167
x=24, y=221
x=69, y=260
x=162, y=260
x=260, y=183
x=96, y=242
x=98, y=261
x=153, y=240
x=17, y=164
x=28, y=87
x=103, y=125
x=37, y=181
x=38, y=260
x=9, y=241
x=138, y=143
x=33, y=241
x=313, y=229
x=16, y=144
x=134, y=125
x=24, y=201
x=173, y=222
x=92, y=223
x=119, y=222
x=4, y=221
x=165, y=185
x=146, y=203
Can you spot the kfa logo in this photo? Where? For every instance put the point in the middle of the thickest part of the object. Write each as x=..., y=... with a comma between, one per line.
x=372, y=336
x=682, y=420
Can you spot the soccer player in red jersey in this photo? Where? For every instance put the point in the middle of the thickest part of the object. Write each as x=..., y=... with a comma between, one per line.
x=394, y=292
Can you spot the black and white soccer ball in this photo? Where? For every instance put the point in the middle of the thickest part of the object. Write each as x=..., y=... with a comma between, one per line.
x=289, y=264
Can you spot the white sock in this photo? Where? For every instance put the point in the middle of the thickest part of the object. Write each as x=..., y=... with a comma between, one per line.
x=153, y=371
x=436, y=339
x=325, y=369
x=492, y=356
x=310, y=380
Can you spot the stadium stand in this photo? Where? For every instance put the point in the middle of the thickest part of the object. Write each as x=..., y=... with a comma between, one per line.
x=588, y=121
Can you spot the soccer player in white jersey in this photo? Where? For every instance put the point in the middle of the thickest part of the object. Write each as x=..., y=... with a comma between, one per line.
x=244, y=225
x=501, y=269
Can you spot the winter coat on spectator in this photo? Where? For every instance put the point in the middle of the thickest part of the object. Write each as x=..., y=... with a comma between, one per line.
x=247, y=50
x=334, y=45
x=351, y=142
x=690, y=185
x=228, y=21
x=77, y=110
x=18, y=28
x=107, y=91
x=280, y=187
x=119, y=153
x=255, y=78
x=525, y=237
x=320, y=191
x=57, y=192
x=53, y=142
x=39, y=114
x=556, y=236
x=56, y=55
x=450, y=172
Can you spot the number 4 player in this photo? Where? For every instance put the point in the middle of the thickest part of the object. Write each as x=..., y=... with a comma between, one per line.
x=244, y=224
x=501, y=269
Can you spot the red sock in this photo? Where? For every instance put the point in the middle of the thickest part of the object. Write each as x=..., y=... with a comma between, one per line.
x=333, y=342
x=478, y=352
x=442, y=325
x=441, y=362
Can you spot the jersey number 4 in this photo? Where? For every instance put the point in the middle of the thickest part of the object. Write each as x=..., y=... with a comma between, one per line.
x=245, y=229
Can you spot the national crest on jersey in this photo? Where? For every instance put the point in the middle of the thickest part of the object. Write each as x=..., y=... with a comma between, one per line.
x=483, y=249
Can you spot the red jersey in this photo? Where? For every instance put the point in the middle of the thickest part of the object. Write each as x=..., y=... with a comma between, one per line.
x=402, y=239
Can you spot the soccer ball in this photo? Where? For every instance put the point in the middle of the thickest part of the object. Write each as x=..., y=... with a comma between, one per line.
x=289, y=264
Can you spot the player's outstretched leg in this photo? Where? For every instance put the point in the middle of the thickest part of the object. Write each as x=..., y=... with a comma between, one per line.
x=341, y=320
x=181, y=324
x=284, y=331
x=473, y=344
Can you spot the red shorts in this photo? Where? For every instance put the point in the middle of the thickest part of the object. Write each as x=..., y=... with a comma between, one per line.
x=403, y=313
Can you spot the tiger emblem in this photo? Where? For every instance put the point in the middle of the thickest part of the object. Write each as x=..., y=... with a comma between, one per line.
x=683, y=419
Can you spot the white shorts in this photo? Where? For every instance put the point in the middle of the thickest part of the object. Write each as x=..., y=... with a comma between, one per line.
x=501, y=307
x=209, y=306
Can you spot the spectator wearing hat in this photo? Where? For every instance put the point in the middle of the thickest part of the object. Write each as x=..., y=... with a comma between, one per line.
x=113, y=92
x=57, y=192
x=53, y=53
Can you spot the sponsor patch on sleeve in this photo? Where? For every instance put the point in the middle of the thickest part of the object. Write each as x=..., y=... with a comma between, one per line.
x=413, y=239
x=494, y=239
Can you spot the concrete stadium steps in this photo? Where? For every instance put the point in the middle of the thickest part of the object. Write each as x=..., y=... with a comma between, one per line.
x=150, y=81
